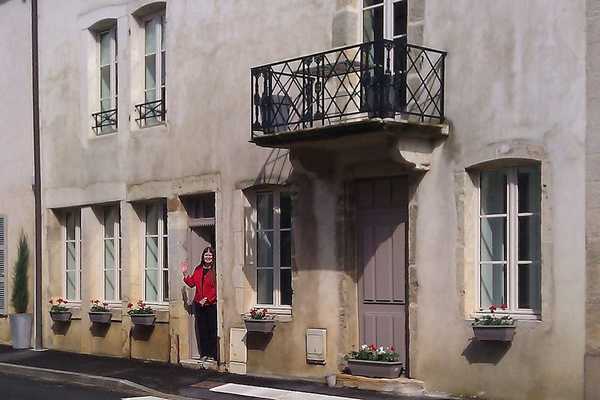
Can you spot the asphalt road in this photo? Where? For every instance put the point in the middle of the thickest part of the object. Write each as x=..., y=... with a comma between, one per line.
x=19, y=388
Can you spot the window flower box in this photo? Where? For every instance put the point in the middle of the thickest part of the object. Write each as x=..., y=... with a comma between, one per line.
x=259, y=321
x=375, y=362
x=59, y=311
x=99, y=313
x=141, y=315
x=492, y=328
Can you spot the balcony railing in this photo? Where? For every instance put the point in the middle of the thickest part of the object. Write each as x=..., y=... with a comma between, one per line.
x=381, y=79
x=151, y=112
x=105, y=121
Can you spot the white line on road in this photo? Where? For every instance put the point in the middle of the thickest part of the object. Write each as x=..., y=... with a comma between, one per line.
x=273, y=394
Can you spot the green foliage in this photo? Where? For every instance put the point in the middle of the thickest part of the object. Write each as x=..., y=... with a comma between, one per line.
x=20, y=288
x=374, y=353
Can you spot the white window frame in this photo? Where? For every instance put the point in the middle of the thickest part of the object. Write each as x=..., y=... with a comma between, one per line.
x=3, y=262
x=512, y=243
x=162, y=234
x=160, y=22
x=388, y=18
x=117, y=269
x=76, y=213
x=113, y=65
x=276, y=307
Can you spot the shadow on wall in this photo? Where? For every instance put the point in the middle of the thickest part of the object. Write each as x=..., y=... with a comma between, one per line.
x=99, y=330
x=141, y=332
x=478, y=352
x=61, y=328
x=276, y=170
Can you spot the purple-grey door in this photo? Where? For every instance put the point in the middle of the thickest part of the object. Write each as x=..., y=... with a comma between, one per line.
x=381, y=250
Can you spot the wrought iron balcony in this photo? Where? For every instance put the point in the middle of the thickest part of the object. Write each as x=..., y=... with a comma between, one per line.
x=381, y=79
x=151, y=112
x=105, y=121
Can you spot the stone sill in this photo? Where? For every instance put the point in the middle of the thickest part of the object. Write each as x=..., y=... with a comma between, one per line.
x=401, y=385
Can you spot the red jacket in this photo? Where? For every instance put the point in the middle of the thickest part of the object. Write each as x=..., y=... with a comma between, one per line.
x=204, y=280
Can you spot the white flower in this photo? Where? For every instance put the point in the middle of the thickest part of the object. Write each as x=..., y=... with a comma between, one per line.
x=364, y=347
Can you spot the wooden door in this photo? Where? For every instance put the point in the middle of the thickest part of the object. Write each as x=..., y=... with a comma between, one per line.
x=381, y=253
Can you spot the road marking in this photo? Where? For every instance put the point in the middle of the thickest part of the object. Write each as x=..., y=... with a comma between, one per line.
x=143, y=398
x=273, y=394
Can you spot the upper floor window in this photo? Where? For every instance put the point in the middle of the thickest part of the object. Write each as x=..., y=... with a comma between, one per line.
x=155, y=84
x=105, y=121
x=384, y=19
x=112, y=253
x=509, y=245
x=72, y=246
x=156, y=266
x=274, y=248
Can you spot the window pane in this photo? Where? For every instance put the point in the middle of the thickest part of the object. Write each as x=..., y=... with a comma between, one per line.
x=373, y=24
x=493, y=192
x=493, y=285
x=493, y=239
x=71, y=285
x=109, y=254
x=529, y=238
x=150, y=37
x=152, y=220
x=105, y=82
x=105, y=40
x=150, y=72
x=151, y=285
x=163, y=33
x=286, y=287
x=163, y=68
x=529, y=286
x=109, y=222
x=529, y=190
x=70, y=224
x=264, y=203
x=264, y=290
x=265, y=249
x=109, y=284
x=151, y=252
x=285, y=203
x=285, y=249
x=165, y=285
x=71, y=256
x=400, y=21
x=367, y=3
x=165, y=252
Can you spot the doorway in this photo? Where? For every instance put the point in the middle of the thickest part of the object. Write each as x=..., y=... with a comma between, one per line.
x=381, y=222
x=200, y=234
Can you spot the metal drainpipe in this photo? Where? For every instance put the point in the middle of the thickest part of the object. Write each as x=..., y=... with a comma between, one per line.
x=37, y=177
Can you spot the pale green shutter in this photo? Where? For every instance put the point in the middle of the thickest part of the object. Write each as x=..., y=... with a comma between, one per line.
x=2, y=265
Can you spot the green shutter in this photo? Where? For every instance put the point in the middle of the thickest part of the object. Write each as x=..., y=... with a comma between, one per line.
x=2, y=265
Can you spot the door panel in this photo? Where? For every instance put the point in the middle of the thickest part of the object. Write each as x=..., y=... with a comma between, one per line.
x=381, y=244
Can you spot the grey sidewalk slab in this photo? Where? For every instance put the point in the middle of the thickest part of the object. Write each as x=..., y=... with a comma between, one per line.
x=169, y=378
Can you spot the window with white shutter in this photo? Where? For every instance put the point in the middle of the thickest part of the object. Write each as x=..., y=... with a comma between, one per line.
x=3, y=265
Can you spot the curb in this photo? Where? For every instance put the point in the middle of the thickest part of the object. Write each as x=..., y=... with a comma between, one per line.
x=76, y=378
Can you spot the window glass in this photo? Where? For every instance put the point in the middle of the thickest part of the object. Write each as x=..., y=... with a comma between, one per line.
x=373, y=24
x=400, y=18
x=151, y=285
x=265, y=210
x=493, y=192
x=493, y=285
x=529, y=190
x=264, y=286
x=286, y=287
x=529, y=286
x=286, y=210
x=493, y=239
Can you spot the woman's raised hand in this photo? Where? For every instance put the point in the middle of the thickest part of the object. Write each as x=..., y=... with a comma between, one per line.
x=184, y=266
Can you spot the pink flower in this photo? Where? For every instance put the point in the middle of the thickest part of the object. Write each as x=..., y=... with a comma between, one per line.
x=492, y=308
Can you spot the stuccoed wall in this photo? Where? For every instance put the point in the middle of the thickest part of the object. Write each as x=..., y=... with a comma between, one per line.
x=16, y=140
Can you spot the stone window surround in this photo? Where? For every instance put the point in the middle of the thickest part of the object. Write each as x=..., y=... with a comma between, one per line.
x=499, y=155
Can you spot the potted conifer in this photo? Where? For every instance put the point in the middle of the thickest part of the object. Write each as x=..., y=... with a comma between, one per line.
x=20, y=321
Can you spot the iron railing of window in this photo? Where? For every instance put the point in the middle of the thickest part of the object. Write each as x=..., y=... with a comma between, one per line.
x=105, y=121
x=380, y=79
x=151, y=112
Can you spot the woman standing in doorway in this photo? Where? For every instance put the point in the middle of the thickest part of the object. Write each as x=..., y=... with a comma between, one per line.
x=205, y=302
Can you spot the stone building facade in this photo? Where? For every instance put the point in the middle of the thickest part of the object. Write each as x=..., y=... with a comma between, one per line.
x=356, y=212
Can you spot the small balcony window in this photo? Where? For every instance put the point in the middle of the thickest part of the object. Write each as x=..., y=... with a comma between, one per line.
x=105, y=121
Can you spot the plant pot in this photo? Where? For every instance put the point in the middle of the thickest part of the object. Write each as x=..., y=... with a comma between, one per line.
x=64, y=316
x=260, y=325
x=496, y=333
x=100, y=317
x=20, y=331
x=143, y=319
x=375, y=369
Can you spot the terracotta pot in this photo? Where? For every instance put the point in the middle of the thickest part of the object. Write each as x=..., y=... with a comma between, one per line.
x=100, y=317
x=260, y=325
x=375, y=369
x=64, y=316
x=143, y=319
x=496, y=333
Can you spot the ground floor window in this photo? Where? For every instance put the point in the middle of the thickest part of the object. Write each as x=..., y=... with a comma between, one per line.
x=156, y=267
x=274, y=248
x=509, y=239
x=72, y=243
x=112, y=253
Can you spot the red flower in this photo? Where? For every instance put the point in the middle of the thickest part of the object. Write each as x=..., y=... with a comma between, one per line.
x=129, y=305
x=60, y=300
x=492, y=308
x=392, y=348
x=51, y=302
x=504, y=306
x=105, y=304
x=64, y=301
x=372, y=347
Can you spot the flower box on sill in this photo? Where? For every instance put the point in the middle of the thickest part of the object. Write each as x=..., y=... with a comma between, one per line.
x=141, y=314
x=100, y=317
x=375, y=369
x=259, y=320
x=493, y=328
x=61, y=316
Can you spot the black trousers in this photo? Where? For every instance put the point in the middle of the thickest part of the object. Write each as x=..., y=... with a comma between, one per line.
x=206, y=329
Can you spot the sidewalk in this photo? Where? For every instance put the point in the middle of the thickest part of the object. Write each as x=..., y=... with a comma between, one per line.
x=168, y=378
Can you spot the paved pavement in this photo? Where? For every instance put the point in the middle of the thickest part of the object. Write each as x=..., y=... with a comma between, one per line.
x=173, y=379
